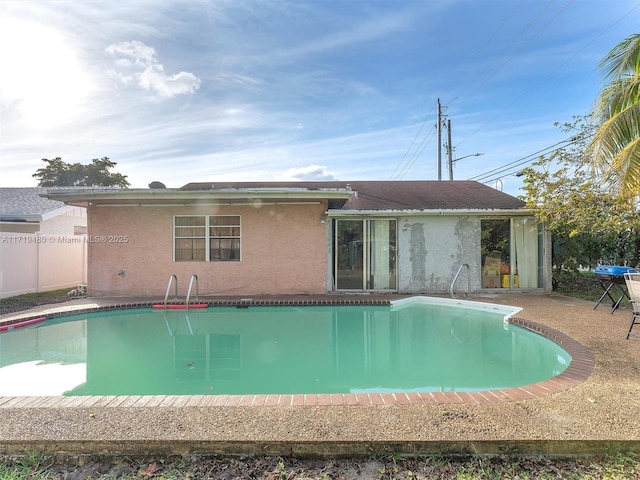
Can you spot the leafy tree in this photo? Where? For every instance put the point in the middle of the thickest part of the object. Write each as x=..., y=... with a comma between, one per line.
x=589, y=224
x=587, y=192
x=616, y=144
x=61, y=174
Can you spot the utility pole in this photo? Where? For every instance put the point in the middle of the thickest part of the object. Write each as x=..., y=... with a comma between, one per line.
x=439, y=135
x=449, y=150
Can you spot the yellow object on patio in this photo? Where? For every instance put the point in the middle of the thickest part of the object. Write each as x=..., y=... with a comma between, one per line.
x=505, y=281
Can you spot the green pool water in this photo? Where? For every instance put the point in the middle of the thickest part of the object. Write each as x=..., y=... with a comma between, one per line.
x=417, y=347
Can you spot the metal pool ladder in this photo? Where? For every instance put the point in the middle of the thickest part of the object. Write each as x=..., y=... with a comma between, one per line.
x=456, y=278
x=172, y=279
x=193, y=277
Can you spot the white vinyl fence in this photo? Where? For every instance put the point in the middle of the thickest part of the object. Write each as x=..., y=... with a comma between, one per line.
x=39, y=263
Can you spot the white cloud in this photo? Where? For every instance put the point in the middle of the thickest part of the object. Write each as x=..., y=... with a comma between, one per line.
x=155, y=79
x=135, y=52
x=137, y=63
x=360, y=89
x=349, y=35
x=309, y=173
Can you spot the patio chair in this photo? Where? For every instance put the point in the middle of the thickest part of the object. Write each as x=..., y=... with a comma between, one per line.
x=633, y=286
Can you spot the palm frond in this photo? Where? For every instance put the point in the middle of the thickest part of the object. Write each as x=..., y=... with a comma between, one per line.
x=614, y=134
x=616, y=97
x=623, y=60
x=627, y=167
x=615, y=148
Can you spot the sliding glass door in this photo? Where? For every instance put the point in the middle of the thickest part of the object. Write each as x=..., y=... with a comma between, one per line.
x=512, y=253
x=365, y=254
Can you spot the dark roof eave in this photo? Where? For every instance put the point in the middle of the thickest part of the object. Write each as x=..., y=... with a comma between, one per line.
x=22, y=220
x=438, y=211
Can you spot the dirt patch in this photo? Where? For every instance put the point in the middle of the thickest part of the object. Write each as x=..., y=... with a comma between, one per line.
x=31, y=300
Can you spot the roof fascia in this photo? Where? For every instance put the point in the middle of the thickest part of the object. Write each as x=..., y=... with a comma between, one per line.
x=434, y=212
x=57, y=212
x=85, y=198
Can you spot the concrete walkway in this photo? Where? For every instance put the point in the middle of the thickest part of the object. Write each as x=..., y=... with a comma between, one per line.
x=590, y=416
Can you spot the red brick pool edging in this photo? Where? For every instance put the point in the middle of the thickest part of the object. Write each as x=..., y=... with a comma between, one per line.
x=581, y=366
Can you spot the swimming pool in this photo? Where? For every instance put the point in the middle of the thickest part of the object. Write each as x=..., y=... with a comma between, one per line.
x=414, y=345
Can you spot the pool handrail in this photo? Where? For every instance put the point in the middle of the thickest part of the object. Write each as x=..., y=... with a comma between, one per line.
x=193, y=277
x=456, y=278
x=172, y=279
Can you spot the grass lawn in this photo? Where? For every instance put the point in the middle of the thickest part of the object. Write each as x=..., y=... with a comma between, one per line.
x=30, y=300
x=607, y=467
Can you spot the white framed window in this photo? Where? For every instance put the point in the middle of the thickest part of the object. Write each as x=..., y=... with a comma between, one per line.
x=206, y=238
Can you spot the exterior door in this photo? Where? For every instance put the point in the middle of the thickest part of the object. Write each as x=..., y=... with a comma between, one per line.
x=365, y=254
x=512, y=253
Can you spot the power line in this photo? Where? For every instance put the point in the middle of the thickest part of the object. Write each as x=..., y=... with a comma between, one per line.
x=400, y=171
x=549, y=76
x=423, y=145
x=521, y=161
x=524, y=160
x=511, y=43
x=400, y=175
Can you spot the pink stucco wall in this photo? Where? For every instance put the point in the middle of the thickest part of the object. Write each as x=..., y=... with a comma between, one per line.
x=284, y=251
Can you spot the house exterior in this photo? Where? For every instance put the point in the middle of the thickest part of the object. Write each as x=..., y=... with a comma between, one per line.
x=250, y=238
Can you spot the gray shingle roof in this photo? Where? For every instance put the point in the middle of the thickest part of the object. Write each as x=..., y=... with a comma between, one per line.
x=25, y=203
x=396, y=195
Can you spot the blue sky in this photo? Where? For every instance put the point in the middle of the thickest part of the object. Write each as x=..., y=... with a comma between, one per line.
x=180, y=91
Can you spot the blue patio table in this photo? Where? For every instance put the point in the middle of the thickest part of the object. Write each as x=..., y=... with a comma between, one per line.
x=611, y=278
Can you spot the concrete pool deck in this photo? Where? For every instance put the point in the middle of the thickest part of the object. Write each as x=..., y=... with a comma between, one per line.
x=591, y=414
